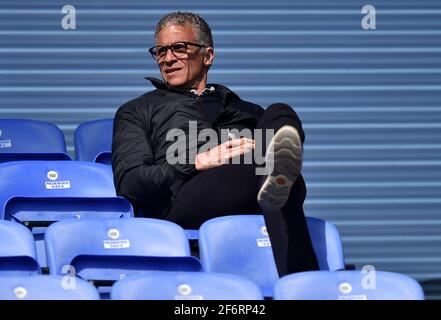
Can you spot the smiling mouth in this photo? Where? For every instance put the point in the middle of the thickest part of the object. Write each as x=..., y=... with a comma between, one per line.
x=170, y=71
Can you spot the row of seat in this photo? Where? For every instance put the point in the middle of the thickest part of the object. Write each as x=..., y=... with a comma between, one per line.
x=22, y=139
x=160, y=285
x=232, y=244
x=152, y=258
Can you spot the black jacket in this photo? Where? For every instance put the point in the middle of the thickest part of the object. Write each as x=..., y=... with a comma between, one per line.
x=141, y=173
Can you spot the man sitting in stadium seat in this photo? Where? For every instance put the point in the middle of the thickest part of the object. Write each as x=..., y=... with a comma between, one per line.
x=187, y=182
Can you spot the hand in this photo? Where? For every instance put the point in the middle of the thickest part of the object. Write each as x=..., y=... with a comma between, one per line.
x=222, y=153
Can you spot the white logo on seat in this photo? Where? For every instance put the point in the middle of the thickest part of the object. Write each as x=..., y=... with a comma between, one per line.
x=113, y=234
x=345, y=287
x=263, y=242
x=52, y=175
x=5, y=143
x=20, y=292
x=184, y=289
x=54, y=184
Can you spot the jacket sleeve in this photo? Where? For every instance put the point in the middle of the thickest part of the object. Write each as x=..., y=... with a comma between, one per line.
x=137, y=177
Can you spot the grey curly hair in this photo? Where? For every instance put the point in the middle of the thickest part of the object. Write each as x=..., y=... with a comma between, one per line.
x=191, y=19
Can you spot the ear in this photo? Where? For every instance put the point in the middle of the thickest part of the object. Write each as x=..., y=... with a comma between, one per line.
x=209, y=56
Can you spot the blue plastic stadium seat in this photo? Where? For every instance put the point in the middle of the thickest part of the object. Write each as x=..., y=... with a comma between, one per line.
x=327, y=244
x=186, y=286
x=347, y=285
x=31, y=140
x=93, y=141
x=109, y=250
x=37, y=184
x=37, y=193
x=46, y=288
x=17, y=250
x=240, y=245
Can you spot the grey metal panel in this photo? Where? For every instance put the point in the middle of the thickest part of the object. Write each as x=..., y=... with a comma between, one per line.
x=370, y=100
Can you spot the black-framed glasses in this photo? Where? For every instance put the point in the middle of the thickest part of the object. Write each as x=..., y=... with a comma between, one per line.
x=179, y=50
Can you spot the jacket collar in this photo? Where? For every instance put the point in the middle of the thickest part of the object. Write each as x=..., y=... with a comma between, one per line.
x=225, y=93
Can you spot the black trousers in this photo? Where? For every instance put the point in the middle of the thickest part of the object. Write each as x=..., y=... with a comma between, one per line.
x=232, y=189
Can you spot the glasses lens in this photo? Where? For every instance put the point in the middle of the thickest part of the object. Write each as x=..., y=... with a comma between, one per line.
x=161, y=52
x=179, y=48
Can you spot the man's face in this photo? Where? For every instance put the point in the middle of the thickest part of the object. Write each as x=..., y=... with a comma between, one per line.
x=189, y=71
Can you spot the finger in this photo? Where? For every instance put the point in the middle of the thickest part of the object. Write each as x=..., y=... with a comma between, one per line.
x=245, y=146
x=238, y=142
x=224, y=153
x=233, y=143
x=237, y=151
x=229, y=150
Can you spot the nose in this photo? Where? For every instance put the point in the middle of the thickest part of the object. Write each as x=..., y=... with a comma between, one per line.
x=169, y=56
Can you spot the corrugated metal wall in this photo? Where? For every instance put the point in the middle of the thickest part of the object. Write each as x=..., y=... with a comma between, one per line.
x=370, y=100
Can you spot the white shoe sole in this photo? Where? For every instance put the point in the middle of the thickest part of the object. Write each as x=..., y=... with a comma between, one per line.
x=285, y=153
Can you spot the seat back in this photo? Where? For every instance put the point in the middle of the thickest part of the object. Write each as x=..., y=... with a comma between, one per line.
x=22, y=139
x=240, y=245
x=93, y=141
x=185, y=286
x=347, y=285
x=108, y=250
x=327, y=244
x=54, y=179
x=46, y=288
x=17, y=250
x=37, y=193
